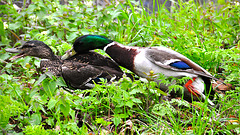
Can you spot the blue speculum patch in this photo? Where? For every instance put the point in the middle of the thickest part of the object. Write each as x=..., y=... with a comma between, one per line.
x=180, y=65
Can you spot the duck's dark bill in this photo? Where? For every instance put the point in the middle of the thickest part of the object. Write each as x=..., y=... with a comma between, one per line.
x=14, y=50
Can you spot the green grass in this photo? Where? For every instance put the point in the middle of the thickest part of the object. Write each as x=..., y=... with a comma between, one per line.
x=35, y=103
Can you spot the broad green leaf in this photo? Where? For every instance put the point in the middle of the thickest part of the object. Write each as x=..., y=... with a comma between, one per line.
x=72, y=36
x=37, y=63
x=35, y=119
x=6, y=76
x=160, y=109
x=50, y=121
x=24, y=61
x=61, y=82
x=4, y=56
x=14, y=26
x=31, y=8
x=130, y=103
x=65, y=108
x=84, y=130
x=124, y=115
x=40, y=79
x=52, y=102
x=126, y=95
x=49, y=86
x=102, y=121
x=60, y=33
x=125, y=85
x=161, y=92
x=72, y=113
x=116, y=120
x=136, y=100
x=9, y=65
x=85, y=31
x=134, y=91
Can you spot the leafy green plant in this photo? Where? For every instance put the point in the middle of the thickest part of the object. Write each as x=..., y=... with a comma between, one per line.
x=9, y=108
x=208, y=34
x=38, y=129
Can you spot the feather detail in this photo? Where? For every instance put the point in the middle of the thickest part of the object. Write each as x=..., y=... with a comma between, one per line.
x=162, y=56
x=180, y=65
x=79, y=74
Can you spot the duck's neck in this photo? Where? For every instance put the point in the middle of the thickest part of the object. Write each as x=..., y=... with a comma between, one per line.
x=123, y=55
x=52, y=57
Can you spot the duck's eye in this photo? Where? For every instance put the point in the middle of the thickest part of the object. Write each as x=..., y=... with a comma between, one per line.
x=27, y=46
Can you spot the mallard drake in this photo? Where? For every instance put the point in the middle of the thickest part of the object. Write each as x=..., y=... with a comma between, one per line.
x=144, y=61
x=79, y=71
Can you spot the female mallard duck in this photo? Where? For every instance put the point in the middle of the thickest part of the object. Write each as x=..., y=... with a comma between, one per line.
x=79, y=71
x=144, y=61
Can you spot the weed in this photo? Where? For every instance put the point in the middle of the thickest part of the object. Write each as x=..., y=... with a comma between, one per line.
x=33, y=102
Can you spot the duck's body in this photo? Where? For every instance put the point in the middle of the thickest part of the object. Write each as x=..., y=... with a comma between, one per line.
x=96, y=59
x=79, y=71
x=145, y=61
x=142, y=60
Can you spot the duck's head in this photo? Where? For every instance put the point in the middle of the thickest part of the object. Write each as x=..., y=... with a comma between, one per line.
x=33, y=48
x=90, y=42
x=87, y=42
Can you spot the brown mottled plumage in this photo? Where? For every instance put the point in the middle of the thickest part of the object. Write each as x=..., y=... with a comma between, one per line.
x=79, y=71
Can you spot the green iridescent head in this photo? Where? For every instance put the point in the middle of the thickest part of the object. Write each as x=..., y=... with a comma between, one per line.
x=90, y=42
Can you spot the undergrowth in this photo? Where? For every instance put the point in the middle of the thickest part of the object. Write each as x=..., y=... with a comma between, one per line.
x=38, y=103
